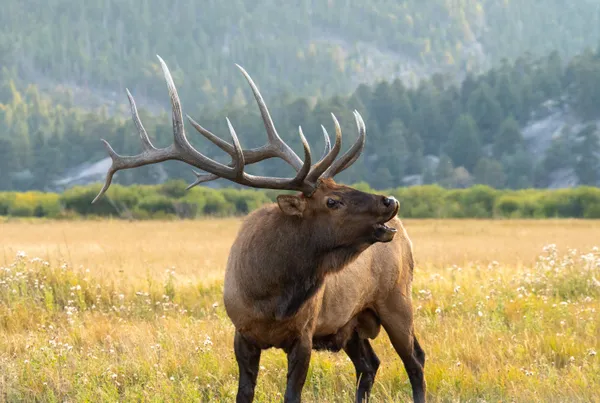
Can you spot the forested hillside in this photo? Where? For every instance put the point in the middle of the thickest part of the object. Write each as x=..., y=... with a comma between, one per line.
x=64, y=66
x=478, y=132
x=302, y=47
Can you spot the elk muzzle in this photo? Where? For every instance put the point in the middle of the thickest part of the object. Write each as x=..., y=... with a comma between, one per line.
x=383, y=232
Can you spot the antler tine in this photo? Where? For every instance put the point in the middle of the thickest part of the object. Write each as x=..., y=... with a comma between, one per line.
x=219, y=142
x=275, y=142
x=275, y=146
x=305, y=169
x=327, y=142
x=177, y=118
x=187, y=153
x=353, y=153
x=150, y=154
x=111, y=171
x=238, y=160
x=146, y=143
x=328, y=159
x=298, y=183
x=201, y=178
x=251, y=156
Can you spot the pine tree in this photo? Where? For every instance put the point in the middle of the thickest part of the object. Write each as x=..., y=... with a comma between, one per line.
x=584, y=74
x=7, y=164
x=381, y=108
x=395, y=154
x=519, y=169
x=444, y=170
x=560, y=153
x=428, y=121
x=508, y=139
x=489, y=172
x=587, y=165
x=463, y=146
x=508, y=96
x=486, y=111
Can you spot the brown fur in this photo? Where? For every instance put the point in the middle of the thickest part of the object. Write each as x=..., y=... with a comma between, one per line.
x=300, y=272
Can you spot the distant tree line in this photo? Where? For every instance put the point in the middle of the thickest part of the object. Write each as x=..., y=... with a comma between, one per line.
x=172, y=201
x=455, y=136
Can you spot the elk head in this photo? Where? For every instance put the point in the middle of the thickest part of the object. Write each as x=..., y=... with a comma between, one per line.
x=344, y=215
x=341, y=215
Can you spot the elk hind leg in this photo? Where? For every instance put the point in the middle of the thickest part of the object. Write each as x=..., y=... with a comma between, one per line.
x=365, y=363
x=397, y=319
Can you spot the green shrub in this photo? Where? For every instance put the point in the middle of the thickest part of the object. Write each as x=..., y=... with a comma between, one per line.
x=561, y=203
x=155, y=203
x=215, y=204
x=589, y=197
x=245, y=200
x=592, y=211
x=117, y=200
x=478, y=201
x=171, y=200
x=34, y=204
x=420, y=201
x=173, y=189
x=6, y=200
x=508, y=206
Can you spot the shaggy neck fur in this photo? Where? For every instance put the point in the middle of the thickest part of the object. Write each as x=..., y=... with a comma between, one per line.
x=288, y=260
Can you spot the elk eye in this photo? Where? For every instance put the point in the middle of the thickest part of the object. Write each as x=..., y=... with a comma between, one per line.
x=331, y=203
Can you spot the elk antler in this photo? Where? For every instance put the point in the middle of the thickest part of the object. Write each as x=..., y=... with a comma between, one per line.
x=307, y=176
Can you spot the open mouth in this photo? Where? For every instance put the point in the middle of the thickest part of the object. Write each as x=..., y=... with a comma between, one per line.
x=383, y=232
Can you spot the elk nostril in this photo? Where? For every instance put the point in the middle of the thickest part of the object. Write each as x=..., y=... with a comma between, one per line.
x=387, y=201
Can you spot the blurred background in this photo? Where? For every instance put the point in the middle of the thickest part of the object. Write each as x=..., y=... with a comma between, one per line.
x=453, y=92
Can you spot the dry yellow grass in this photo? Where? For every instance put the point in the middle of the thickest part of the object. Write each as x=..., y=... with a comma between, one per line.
x=497, y=323
x=198, y=249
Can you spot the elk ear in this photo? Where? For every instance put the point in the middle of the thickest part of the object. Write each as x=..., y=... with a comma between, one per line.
x=291, y=205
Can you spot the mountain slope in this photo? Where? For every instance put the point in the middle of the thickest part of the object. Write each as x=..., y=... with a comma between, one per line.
x=518, y=125
x=307, y=47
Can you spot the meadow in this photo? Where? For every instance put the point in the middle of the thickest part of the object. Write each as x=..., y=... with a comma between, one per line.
x=116, y=310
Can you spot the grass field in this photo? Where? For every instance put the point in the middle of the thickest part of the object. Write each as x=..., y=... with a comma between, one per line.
x=132, y=311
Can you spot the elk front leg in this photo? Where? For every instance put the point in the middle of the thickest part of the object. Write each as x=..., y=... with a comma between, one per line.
x=248, y=357
x=366, y=364
x=298, y=357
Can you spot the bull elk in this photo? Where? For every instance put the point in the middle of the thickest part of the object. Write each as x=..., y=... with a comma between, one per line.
x=324, y=268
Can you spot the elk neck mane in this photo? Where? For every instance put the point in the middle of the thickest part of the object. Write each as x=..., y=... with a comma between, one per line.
x=285, y=260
